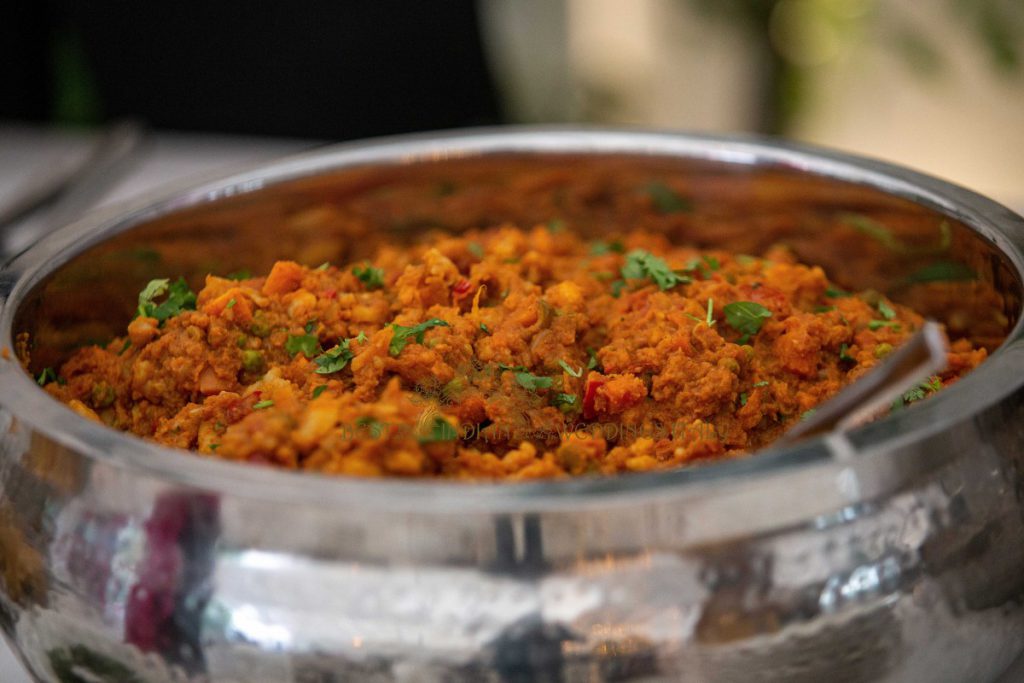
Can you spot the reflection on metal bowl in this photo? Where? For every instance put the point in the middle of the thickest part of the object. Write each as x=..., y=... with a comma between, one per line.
x=898, y=556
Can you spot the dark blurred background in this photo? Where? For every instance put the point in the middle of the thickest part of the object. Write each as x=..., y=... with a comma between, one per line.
x=341, y=70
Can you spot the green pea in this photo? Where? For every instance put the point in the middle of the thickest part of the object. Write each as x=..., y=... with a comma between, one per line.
x=252, y=361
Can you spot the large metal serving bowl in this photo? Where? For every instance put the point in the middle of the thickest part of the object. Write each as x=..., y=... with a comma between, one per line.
x=893, y=553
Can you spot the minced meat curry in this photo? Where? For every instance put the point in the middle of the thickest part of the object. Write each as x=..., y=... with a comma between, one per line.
x=506, y=353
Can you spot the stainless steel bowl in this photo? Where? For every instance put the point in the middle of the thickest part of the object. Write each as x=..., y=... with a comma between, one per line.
x=892, y=553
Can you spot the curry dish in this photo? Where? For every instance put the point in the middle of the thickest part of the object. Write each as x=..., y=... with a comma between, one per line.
x=507, y=353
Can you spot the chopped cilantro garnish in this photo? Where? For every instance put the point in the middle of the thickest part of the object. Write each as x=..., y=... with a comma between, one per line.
x=617, y=288
x=564, y=402
x=568, y=368
x=402, y=334
x=533, y=382
x=46, y=376
x=179, y=298
x=372, y=277
x=127, y=345
x=307, y=344
x=440, y=430
x=807, y=413
x=592, y=362
x=361, y=337
x=877, y=324
x=875, y=230
x=262, y=404
x=743, y=399
x=231, y=303
x=641, y=264
x=319, y=390
x=834, y=292
x=941, y=271
x=556, y=225
x=711, y=262
x=666, y=200
x=919, y=392
x=476, y=249
x=709, y=318
x=886, y=310
x=602, y=248
x=746, y=317
x=243, y=274
x=484, y=328
x=824, y=309
x=335, y=359
x=762, y=383
x=844, y=353
x=323, y=266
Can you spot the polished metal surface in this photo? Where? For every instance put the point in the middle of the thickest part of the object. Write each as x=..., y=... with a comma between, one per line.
x=898, y=556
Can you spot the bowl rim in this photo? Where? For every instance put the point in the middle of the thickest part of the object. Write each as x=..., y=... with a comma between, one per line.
x=21, y=396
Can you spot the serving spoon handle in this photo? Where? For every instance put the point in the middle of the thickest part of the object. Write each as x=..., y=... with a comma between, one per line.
x=923, y=355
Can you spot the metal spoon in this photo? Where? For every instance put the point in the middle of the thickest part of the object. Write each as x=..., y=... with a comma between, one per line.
x=923, y=355
x=57, y=199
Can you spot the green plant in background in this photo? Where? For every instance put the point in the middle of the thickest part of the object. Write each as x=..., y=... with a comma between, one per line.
x=789, y=39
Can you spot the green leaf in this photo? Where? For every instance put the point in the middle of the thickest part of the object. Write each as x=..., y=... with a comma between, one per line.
x=440, y=430
x=568, y=368
x=564, y=402
x=746, y=317
x=941, y=271
x=372, y=277
x=930, y=386
x=262, y=404
x=307, y=344
x=886, y=310
x=617, y=288
x=877, y=231
x=335, y=359
x=877, y=324
x=642, y=264
x=844, y=353
x=533, y=382
x=593, y=363
x=179, y=298
x=666, y=200
x=46, y=376
x=319, y=390
x=402, y=334
x=602, y=248
x=834, y=292
x=743, y=399
x=484, y=328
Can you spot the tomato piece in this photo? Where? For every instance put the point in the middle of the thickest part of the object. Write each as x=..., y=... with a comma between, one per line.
x=589, y=394
x=462, y=288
